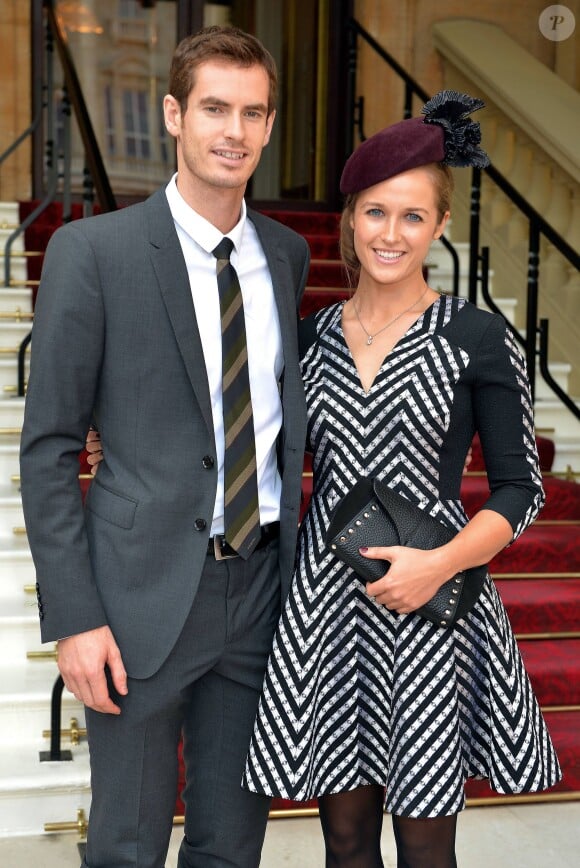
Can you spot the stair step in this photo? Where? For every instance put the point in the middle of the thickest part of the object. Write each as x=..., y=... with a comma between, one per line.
x=552, y=413
x=552, y=665
x=562, y=497
x=6, y=231
x=317, y=297
x=560, y=371
x=540, y=607
x=11, y=412
x=15, y=299
x=19, y=630
x=16, y=570
x=11, y=514
x=9, y=213
x=25, y=701
x=34, y=793
x=439, y=257
x=9, y=375
x=9, y=458
x=323, y=246
x=567, y=453
x=539, y=548
x=324, y=273
x=13, y=333
x=544, y=445
x=507, y=306
x=308, y=222
x=18, y=264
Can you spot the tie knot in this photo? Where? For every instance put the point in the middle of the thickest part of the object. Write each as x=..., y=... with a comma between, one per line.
x=224, y=248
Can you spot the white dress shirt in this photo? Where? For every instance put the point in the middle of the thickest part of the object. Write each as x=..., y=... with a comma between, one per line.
x=198, y=237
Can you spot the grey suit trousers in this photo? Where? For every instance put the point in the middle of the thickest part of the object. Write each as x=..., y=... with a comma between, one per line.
x=208, y=687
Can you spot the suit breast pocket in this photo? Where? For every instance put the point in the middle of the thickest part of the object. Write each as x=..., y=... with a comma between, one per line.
x=110, y=506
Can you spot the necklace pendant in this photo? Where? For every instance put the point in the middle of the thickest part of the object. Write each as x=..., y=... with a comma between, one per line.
x=369, y=340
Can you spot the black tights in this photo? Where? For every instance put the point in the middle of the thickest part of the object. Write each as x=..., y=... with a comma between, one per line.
x=428, y=843
x=351, y=825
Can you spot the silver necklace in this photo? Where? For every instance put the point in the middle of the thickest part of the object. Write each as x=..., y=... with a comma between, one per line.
x=370, y=338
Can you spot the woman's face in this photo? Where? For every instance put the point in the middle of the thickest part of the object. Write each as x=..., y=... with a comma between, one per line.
x=394, y=223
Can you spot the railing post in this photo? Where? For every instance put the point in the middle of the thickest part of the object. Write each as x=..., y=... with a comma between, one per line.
x=22, y=365
x=359, y=115
x=88, y=192
x=350, y=89
x=66, y=158
x=408, y=108
x=545, y=371
x=474, y=235
x=55, y=754
x=532, y=304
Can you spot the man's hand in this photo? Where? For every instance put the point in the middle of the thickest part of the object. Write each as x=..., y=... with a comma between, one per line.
x=95, y=450
x=82, y=660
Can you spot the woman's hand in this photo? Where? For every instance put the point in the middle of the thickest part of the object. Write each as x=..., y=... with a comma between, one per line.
x=413, y=578
x=93, y=447
x=416, y=575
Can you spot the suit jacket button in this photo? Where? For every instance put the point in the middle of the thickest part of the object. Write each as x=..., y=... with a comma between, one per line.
x=200, y=524
x=207, y=462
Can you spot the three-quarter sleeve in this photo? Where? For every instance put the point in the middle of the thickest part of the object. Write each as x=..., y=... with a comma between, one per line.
x=505, y=421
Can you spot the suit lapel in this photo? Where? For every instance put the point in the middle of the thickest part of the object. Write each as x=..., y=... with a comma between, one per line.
x=171, y=272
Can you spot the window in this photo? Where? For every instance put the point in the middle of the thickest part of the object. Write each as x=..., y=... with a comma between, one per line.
x=163, y=138
x=109, y=121
x=136, y=123
x=130, y=9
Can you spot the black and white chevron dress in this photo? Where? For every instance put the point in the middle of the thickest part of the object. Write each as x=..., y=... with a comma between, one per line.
x=355, y=694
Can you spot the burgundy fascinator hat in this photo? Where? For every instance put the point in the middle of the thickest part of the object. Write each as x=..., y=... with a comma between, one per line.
x=445, y=134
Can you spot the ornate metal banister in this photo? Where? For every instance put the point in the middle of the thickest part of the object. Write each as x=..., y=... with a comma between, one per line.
x=92, y=151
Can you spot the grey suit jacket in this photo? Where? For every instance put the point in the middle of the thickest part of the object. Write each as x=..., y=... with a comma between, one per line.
x=115, y=340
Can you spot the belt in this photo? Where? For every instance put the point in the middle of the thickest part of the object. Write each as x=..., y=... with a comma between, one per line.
x=222, y=550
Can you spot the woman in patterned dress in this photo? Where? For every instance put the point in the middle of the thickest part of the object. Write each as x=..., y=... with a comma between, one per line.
x=366, y=704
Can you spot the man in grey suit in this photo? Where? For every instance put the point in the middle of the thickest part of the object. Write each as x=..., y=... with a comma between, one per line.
x=161, y=626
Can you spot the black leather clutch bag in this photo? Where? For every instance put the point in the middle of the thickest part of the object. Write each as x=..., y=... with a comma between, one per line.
x=373, y=515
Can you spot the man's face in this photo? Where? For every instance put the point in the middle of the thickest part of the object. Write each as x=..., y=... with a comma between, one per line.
x=221, y=135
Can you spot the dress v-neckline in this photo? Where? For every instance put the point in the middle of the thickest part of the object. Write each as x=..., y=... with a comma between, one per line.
x=396, y=346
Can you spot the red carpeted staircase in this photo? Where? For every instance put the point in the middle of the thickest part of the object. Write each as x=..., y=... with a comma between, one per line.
x=538, y=577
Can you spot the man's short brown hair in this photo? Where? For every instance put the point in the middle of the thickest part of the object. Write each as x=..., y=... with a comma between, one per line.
x=218, y=43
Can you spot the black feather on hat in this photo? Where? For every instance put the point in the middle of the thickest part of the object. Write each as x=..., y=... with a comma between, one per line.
x=444, y=135
x=462, y=136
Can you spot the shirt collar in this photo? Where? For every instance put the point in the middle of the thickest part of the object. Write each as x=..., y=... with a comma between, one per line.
x=200, y=230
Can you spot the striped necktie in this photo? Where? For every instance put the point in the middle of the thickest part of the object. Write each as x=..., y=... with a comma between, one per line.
x=241, y=512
